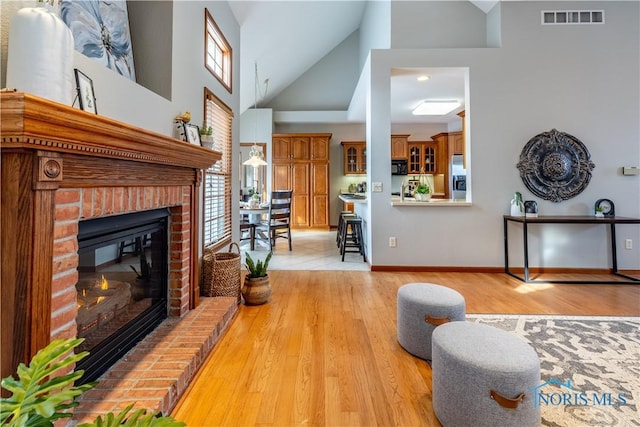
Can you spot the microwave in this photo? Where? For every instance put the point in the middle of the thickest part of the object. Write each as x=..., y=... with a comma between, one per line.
x=399, y=167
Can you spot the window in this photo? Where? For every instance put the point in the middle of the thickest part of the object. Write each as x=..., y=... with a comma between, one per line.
x=217, y=179
x=217, y=55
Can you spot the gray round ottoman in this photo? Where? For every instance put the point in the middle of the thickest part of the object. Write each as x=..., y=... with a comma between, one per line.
x=483, y=376
x=422, y=307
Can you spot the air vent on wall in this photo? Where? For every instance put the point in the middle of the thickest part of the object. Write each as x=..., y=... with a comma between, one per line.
x=559, y=17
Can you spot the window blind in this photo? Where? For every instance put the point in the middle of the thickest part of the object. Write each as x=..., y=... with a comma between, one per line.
x=217, y=179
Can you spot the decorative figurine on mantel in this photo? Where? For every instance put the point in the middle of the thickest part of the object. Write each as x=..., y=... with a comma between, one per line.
x=186, y=117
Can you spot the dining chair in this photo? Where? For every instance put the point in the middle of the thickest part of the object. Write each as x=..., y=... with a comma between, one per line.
x=278, y=223
x=247, y=230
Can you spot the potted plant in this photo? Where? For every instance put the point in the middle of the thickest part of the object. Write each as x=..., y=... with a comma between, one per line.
x=257, y=288
x=206, y=135
x=254, y=202
x=422, y=192
x=599, y=212
x=517, y=205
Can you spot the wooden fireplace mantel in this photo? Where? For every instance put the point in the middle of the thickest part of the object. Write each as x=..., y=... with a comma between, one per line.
x=36, y=123
x=46, y=146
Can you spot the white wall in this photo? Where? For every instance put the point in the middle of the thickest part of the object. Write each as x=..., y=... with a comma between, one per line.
x=375, y=28
x=442, y=24
x=580, y=79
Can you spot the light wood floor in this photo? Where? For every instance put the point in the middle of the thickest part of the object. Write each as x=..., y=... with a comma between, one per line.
x=323, y=351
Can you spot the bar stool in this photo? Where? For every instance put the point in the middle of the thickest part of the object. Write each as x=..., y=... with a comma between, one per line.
x=351, y=237
x=341, y=224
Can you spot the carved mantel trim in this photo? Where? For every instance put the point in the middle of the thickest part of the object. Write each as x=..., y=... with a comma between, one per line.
x=32, y=122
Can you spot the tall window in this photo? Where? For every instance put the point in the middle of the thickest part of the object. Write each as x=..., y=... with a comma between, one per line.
x=217, y=55
x=217, y=179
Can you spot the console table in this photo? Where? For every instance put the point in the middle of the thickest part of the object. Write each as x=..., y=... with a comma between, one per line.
x=525, y=221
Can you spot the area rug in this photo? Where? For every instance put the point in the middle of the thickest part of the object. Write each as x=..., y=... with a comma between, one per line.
x=590, y=366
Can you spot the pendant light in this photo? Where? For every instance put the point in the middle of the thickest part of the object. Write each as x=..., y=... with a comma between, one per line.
x=256, y=156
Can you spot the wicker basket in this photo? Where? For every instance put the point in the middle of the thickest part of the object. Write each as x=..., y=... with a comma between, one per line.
x=221, y=273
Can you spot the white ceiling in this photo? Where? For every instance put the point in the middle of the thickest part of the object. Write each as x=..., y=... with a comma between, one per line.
x=286, y=38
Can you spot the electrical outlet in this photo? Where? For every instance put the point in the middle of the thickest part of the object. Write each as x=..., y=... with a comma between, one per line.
x=392, y=242
x=628, y=244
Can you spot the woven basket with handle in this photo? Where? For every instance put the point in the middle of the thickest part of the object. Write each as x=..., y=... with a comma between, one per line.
x=221, y=273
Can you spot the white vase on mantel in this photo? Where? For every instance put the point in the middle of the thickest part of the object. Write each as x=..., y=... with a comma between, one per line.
x=40, y=54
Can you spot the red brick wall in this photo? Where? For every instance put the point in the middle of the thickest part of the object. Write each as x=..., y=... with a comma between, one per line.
x=74, y=205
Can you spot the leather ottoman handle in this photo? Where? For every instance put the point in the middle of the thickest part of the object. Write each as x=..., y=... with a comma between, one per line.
x=437, y=321
x=506, y=402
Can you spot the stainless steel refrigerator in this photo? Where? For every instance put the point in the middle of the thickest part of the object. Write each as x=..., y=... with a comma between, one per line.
x=458, y=178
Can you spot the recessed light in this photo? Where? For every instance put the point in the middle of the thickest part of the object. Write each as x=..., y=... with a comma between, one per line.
x=435, y=108
x=423, y=78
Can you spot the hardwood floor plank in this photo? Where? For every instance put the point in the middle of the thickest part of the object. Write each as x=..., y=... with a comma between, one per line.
x=324, y=352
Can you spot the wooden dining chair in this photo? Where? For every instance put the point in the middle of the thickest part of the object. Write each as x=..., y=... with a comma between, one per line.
x=278, y=223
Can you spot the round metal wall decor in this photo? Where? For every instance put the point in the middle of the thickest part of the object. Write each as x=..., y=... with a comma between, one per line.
x=555, y=166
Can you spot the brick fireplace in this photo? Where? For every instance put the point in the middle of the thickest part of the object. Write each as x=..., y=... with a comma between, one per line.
x=61, y=166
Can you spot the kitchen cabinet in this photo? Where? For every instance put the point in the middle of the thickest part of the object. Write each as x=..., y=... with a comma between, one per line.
x=399, y=146
x=424, y=157
x=354, y=157
x=456, y=143
x=462, y=141
x=301, y=163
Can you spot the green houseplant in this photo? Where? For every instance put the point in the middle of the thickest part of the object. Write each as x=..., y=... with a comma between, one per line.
x=517, y=205
x=43, y=393
x=257, y=288
x=422, y=192
x=206, y=135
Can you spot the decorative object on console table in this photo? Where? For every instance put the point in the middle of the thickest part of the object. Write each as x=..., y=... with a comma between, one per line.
x=531, y=209
x=605, y=207
x=517, y=205
x=555, y=166
x=40, y=54
x=86, y=95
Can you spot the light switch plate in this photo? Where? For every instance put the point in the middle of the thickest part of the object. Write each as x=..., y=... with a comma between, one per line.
x=376, y=187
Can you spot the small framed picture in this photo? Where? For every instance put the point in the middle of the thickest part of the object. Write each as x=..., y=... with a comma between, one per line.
x=192, y=133
x=86, y=95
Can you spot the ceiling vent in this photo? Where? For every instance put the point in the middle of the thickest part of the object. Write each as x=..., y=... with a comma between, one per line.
x=571, y=17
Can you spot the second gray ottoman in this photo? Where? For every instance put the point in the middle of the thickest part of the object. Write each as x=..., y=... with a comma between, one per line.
x=483, y=377
x=422, y=307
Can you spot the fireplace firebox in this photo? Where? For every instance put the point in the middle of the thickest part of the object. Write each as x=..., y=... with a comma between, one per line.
x=122, y=284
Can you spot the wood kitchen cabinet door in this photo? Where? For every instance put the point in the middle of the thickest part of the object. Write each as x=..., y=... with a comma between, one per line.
x=399, y=146
x=320, y=195
x=300, y=148
x=300, y=203
x=319, y=148
x=280, y=150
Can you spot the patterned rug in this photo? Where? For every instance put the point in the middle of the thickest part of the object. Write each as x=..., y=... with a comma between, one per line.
x=590, y=366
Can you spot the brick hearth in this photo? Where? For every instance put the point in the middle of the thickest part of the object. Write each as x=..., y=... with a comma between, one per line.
x=158, y=370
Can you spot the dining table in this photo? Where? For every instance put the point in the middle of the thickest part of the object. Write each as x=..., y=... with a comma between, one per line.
x=254, y=215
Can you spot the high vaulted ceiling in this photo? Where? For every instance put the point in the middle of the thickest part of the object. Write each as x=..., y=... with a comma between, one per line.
x=286, y=38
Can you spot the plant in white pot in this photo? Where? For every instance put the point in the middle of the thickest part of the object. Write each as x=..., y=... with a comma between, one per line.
x=517, y=205
x=257, y=288
x=206, y=135
x=422, y=192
